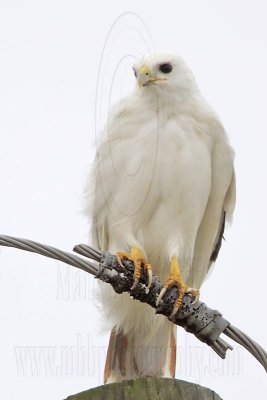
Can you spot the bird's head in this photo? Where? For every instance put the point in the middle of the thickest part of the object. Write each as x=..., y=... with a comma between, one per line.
x=165, y=73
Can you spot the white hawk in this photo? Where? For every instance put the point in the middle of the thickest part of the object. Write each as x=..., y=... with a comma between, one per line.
x=163, y=185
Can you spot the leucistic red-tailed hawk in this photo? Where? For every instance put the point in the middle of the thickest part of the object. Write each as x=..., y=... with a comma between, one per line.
x=163, y=184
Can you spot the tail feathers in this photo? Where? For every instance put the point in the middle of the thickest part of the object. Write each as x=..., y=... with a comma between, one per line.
x=130, y=355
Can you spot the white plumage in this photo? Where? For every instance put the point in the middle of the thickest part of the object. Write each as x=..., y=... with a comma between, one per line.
x=162, y=179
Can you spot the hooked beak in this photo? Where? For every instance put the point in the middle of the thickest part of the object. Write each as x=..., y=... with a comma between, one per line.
x=145, y=77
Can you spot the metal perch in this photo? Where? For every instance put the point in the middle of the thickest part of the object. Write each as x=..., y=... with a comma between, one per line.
x=206, y=324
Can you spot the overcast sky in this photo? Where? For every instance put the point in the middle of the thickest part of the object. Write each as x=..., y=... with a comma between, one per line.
x=54, y=95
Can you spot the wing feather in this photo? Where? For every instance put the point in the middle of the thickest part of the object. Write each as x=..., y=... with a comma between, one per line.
x=219, y=238
x=227, y=213
x=220, y=208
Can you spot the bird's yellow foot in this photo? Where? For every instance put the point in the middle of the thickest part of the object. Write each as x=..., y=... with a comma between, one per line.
x=139, y=262
x=175, y=279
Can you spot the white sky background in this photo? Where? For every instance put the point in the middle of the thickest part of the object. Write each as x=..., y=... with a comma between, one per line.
x=51, y=340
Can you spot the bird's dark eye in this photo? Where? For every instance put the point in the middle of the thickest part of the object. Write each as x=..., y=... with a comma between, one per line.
x=135, y=74
x=165, y=68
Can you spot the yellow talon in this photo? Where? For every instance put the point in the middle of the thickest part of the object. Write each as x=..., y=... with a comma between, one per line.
x=175, y=279
x=140, y=262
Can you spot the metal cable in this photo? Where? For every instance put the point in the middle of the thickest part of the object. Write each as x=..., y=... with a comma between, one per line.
x=87, y=251
x=51, y=252
x=254, y=348
x=219, y=346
